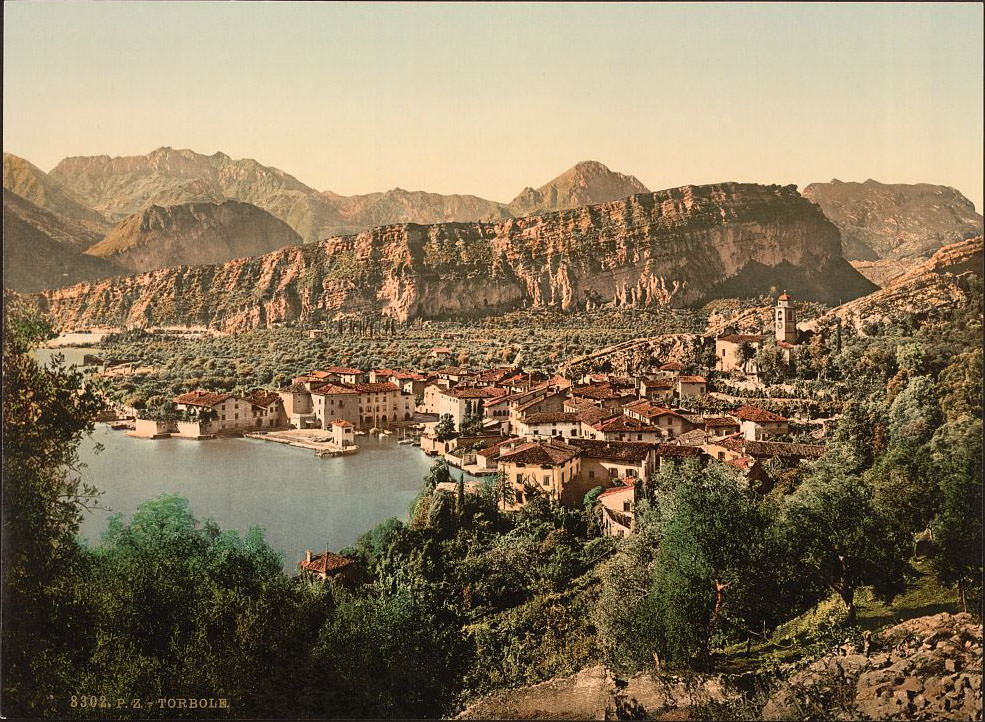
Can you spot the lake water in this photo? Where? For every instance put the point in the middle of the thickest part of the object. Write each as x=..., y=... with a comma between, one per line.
x=301, y=501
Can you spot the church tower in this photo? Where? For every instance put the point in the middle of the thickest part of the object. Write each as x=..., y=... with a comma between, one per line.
x=786, y=319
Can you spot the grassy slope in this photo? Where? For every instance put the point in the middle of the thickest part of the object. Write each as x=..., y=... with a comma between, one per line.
x=794, y=640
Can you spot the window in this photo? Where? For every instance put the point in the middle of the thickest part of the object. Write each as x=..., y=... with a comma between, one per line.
x=519, y=478
x=547, y=479
x=613, y=472
x=519, y=497
x=591, y=474
x=626, y=506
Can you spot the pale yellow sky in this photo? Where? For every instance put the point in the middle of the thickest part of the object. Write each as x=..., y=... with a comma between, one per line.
x=488, y=98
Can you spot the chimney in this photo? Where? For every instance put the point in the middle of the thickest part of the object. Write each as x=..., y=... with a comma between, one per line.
x=307, y=556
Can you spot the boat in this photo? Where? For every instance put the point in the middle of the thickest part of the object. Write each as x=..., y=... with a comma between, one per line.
x=385, y=432
x=404, y=442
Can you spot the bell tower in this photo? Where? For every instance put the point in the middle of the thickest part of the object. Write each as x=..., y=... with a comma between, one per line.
x=786, y=319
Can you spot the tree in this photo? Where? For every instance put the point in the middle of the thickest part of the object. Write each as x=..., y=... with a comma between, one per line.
x=46, y=412
x=958, y=529
x=746, y=354
x=445, y=428
x=960, y=386
x=712, y=562
x=900, y=486
x=915, y=413
x=839, y=536
x=472, y=424
x=770, y=364
x=706, y=564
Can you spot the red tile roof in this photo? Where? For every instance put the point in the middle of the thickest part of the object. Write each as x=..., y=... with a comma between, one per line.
x=492, y=452
x=592, y=414
x=262, y=397
x=624, y=423
x=636, y=451
x=692, y=379
x=536, y=400
x=675, y=450
x=630, y=483
x=332, y=389
x=327, y=563
x=198, y=397
x=672, y=366
x=716, y=422
x=341, y=422
x=659, y=383
x=546, y=453
x=650, y=410
x=754, y=413
x=376, y=388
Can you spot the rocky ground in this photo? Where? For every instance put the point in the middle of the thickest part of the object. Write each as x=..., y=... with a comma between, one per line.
x=927, y=668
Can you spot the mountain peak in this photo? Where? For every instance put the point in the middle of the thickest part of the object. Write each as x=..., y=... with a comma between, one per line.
x=585, y=183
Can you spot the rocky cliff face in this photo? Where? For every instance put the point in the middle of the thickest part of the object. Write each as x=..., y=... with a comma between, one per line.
x=674, y=247
x=895, y=221
x=587, y=183
x=35, y=186
x=937, y=283
x=43, y=250
x=192, y=234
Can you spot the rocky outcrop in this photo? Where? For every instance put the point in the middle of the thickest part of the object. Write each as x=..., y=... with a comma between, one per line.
x=586, y=183
x=929, y=668
x=192, y=234
x=879, y=220
x=672, y=248
x=60, y=229
x=35, y=186
x=595, y=693
x=44, y=250
x=635, y=356
x=937, y=283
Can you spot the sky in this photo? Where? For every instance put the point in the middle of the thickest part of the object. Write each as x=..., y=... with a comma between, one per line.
x=488, y=98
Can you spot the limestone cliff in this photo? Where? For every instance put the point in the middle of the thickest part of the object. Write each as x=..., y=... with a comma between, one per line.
x=895, y=221
x=674, y=247
x=192, y=234
x=937, y=283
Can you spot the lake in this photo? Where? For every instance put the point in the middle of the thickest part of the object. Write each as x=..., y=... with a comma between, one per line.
x=301, y=501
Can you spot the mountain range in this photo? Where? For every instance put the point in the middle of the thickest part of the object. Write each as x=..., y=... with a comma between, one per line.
x=97, y=216
x=121, y=199
x=670, y=248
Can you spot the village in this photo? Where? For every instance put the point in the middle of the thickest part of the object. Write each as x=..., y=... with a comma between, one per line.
x=560, y=436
